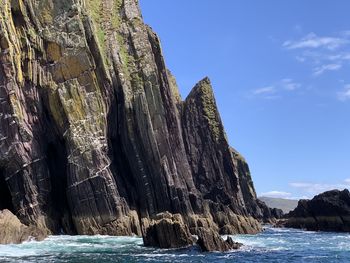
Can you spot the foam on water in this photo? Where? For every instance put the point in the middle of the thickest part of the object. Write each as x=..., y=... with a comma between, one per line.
x=273, y=245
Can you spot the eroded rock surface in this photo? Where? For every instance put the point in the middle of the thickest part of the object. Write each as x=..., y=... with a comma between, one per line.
x=167, y=231
x=329, y=211
x=210, y=241
x=94, y=135
x=12, y=231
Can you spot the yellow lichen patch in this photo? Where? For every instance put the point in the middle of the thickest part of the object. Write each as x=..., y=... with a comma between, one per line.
x=88, y=80
x=18, y=65
x=72, y=101
x=73, y=66
x=46, y=11
x=16, y=106
x=56, y=106
x=210, y=109
x=53, y=51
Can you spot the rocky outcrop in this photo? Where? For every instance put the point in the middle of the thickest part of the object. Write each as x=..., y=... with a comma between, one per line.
x=269, y=215
x=210, y=241
x=94, y=136
x=329, y=211
x=12, y=231
x=167, y=231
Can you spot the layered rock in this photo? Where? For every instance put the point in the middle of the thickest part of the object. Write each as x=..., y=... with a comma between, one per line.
x=167, y=231
x=12, y=231
x=210, y=241
x=329, y=211
x=94, y=136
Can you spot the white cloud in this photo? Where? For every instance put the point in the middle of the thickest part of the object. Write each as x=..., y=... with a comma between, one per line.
x=275, y=90
x=329, y=67
x=276, y=194
x=344, y=56
x=265, y=90
x=322, y=53
x=313, y=41
x=344, y=95
x=312, y=189
x=289, y=84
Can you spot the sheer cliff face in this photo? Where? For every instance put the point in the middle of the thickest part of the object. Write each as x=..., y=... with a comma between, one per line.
x=94, y=136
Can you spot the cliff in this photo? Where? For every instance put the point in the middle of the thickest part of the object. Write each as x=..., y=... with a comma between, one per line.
x=329, y=211
x=94, y=136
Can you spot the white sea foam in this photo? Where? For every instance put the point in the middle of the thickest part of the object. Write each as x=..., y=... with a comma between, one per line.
x=270, y=246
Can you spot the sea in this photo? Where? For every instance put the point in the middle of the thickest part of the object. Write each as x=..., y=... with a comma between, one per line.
x=272, y=245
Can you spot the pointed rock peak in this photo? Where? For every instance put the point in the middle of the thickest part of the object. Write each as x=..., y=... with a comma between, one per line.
x=204, y=86
x=174, y=87
x=205, y=81
x=201, y=89
x=202, y=96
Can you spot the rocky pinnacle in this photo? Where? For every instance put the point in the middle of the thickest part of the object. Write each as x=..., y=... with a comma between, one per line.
x=94, y=136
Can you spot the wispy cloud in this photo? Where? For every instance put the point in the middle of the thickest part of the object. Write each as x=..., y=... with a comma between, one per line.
x=311, y=189
x=276, y=194
x=344, y=95
x=328, y=67
x=265, y=90
x=323, y=53
x=313, y=41
x=289, y=84
x=275, y=90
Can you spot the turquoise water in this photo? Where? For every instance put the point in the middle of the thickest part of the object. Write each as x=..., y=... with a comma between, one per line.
x=273, y=245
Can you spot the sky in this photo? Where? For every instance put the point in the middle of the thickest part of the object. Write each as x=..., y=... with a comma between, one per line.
x=280, y=73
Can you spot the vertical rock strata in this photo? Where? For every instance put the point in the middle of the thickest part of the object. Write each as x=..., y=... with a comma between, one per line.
x=94, y=136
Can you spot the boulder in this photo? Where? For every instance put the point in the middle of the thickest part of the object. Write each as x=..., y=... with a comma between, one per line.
x=167, y=231
x=12, y=231
x=210, y=241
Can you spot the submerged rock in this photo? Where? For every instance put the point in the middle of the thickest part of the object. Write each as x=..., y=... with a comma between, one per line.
x=12, y=231
x=329, y=211
x=210, y=241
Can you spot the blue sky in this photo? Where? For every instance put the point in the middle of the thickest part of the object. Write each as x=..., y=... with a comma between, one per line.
x=280, y=71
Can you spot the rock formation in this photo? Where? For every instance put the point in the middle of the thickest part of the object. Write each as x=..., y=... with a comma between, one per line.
x=94, y=136
x=211, y=241
x=329, y=211
x=269, y=215
x=12, y=231
x=167, y=231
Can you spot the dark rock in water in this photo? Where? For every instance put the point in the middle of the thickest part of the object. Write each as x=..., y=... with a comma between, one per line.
x=210, y=241
x=94, y=136
x=12, y=231
x=329, y=211
x=269, y=215
x=167, y=231
x=233, y=244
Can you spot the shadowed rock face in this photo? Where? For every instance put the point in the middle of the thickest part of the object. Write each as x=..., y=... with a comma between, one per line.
x=94, y=136
x=329, y=211
x=210, y=241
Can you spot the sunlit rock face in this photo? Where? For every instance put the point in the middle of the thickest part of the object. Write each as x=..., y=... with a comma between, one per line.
x=94, y=136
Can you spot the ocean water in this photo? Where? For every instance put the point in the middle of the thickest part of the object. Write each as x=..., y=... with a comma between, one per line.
x=273, y=245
